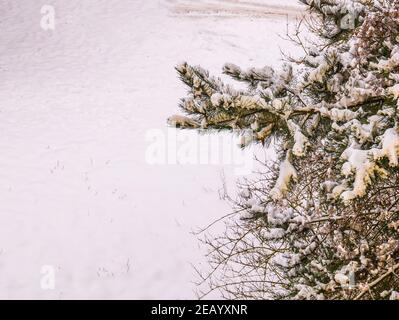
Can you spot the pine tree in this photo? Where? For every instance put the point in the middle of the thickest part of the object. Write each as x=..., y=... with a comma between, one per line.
x=323, y=222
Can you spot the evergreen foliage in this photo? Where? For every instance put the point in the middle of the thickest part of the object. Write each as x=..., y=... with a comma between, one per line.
x=323, y=222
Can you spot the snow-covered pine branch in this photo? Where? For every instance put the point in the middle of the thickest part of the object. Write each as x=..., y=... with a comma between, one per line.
x=322, y=222
x=353, y=99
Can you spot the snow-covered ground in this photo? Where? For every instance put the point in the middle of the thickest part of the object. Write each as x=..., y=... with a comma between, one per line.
x=236, y=8
x=77, y=194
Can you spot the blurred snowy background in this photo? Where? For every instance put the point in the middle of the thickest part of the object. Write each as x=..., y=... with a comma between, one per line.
x=76, y=102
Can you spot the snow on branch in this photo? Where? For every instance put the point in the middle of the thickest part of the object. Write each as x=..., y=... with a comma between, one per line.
x=287, y=173
x=345, y=94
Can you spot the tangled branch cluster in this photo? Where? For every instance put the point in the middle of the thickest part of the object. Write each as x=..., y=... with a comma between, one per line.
x=323, y=221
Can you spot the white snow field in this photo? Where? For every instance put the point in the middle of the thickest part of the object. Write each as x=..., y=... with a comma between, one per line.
x=79, y=202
